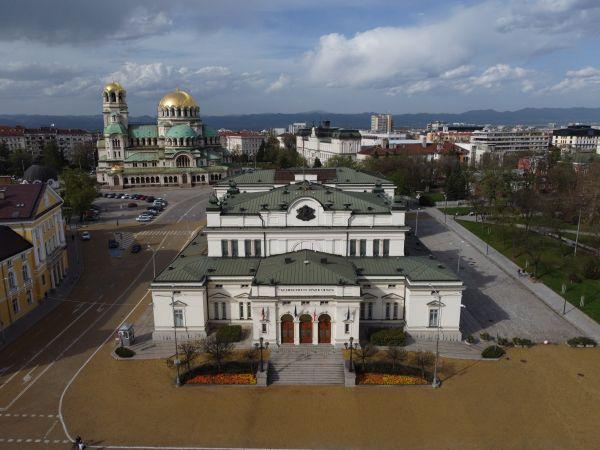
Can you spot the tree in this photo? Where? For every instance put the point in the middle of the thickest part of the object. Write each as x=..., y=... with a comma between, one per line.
x=19, y=160
x=84, y=156
x=456, y=183
x=5, y=166
x=341, y=161
x=217, y=349
x=289, y=140
x=190, y=352
x=317, y=162
x=424, y=361
x=52, y=157
x=365, y=351
x=79, y=190
x=251, y=356
x=395, y=354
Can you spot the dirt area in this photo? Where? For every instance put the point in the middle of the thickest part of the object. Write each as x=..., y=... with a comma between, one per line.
x=543, y=397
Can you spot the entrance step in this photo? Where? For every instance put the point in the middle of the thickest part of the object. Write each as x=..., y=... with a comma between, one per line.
x=306, y=364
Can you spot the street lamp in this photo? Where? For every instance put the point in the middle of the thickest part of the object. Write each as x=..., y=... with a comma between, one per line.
x=351, y=347
x=436, y=382
x=261, y=346
x=458, y=258
x=577, y=235
x=153, y=260
x=176, y=362
x=446, y=205
x=417, y=223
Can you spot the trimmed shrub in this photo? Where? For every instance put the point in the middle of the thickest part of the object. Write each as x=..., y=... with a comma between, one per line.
x=388, y=336
x=522, y=342
x=230, y=333
x=574, y=278
x=504, y=342
x=485, y=336
x=426, y=200
x=470, y=339
x=581, y=340
x=493, y=351
x=124, y=352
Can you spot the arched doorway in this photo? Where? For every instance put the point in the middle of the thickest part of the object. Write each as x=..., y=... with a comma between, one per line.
x=184, y=178
x=287, y=329
x=116, y=180
x=305, y=329
x=324, y=329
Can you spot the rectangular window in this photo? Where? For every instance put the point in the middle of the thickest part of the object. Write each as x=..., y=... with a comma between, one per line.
x=363, y=247
x=234, y=248
x=386, y=247
x=248, y=247
x=257, y=247
x=387, y=311
x=218, y=286
x=223, y=311
x=433, y=317
x=264, y=327
x=29, y=298
x=352, y=247
x=248, y=311
x=305, y=303
x=347, y=328
x=395, y=311
x=15, y=305
x=391, y=286
x=362, y=311
x=376, y=247
x=370, y=314
x=178, y=317
x=216, y=308
x=241, y=310
x=224, y=248
x=323, y=302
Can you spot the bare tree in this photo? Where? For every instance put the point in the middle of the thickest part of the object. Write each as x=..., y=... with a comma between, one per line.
x=251, y=356
x=424, y=361
x=217, y=349
x=395, y=354
x=190, y=352
x=365, y=351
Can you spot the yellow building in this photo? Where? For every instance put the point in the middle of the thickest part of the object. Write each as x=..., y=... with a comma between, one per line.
x=33, y=211
x=18, y=292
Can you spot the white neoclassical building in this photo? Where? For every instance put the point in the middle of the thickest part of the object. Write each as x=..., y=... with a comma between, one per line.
x=179, y=150
x=324, y=141
x=305, y=263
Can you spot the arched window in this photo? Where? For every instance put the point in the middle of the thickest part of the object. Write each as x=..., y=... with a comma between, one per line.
x=11, y=280
x=125, y=181
x=165, y=180
x=203, y=178
x=172, y=112
x=113, y=97
x=175, y=179
x=147, y=180
x=120, y=96
x=137, y=179
x=105, y=96
x=182, y=161
x=170, y=179
x=25, y=273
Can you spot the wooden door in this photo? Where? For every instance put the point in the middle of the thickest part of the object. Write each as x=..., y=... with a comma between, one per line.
x=306, y=332
x=324, y=332
x=287, y=332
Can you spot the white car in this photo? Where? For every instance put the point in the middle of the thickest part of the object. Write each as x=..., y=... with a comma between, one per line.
x=85, y=236
x=144, y=218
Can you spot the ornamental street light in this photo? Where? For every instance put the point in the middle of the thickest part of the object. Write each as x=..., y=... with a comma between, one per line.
x=176, y=362
x=417, y=223
x=352, y=347
x=261, y=345
x=153, y=260
x=446, y=205
x=436, y=382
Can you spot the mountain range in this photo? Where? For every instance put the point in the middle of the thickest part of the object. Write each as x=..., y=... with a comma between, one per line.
x=525, y=116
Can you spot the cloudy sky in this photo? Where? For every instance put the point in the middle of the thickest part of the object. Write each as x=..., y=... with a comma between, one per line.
x=245, y=56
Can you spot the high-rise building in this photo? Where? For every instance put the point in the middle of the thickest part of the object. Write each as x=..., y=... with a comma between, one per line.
x=382, y=123
x=293, y=128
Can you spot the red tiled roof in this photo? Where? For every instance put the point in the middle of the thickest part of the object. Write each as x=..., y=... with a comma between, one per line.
x=11, y=131
x=20, y=201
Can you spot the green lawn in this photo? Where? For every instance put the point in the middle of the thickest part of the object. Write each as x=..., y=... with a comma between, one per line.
x=556, y=264
x=460, y=210
x=583, y=238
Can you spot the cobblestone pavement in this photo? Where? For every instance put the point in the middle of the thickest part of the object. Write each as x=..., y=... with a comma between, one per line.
x=495, y=302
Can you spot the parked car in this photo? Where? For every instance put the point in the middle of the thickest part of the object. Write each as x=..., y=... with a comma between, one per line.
x=142, y=197
x=132, y=205
x=144, y=218
x=151, y=212
x=85, y=236
x=113, y=244
x=135, y=196
x=162, y=200
x=150, y=199
x=135, y=248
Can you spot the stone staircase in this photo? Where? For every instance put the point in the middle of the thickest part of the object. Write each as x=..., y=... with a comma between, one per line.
x=308, y=364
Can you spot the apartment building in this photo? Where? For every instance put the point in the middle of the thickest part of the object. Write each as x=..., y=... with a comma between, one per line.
x=241, y=142
x=382, y=123
x=501, y=141
x=12, y=137
x=582, y=138
x=325, y=141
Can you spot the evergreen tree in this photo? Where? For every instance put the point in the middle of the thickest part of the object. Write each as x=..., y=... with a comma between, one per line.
x=317, y=162
x=19, y=161
x=79, y=190
x=52, y=157
x=5, y=167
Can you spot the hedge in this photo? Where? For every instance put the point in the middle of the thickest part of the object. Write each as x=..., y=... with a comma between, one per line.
x=388, y=336
x=124, y=352
x=493, y=351
x=230, y=333
x=581, y=340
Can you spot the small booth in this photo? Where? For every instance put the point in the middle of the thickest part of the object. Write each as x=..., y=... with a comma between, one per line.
x=126, y=335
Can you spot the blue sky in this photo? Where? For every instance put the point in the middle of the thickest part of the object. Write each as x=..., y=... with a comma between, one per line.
x=239, y=57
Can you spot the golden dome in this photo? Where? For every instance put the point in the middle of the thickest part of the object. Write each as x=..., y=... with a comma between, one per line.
x=114, y=86
x=177, y=98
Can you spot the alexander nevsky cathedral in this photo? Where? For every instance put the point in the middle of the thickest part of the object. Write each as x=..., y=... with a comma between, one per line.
x=179, y=150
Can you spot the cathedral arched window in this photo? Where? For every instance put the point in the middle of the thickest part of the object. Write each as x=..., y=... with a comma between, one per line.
x=182, y=161
x=120, y=96
x=113, y=97
x=106, y=96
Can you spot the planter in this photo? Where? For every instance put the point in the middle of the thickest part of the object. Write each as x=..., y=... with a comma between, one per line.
x=224, y=379
x=389, y=380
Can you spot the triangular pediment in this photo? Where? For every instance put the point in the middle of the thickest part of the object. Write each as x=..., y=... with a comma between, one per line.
x=436, y=303
x=244, y=295
x=388, y=296
x=218, y=295
x=367, y=295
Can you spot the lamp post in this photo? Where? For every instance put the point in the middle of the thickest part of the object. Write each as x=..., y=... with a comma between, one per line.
x=176, y=362
x=261, y=345
x=458, y=258
x=417, y=223
x=436, y=383
x=577, y=235
x=351, y=346
x=446, y=205
x=153, y=260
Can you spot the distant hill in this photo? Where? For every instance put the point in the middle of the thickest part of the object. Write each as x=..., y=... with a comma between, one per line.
x=525, y=116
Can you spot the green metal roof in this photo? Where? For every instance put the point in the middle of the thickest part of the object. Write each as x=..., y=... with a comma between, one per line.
x=181, y=131
x=305, y=267
x=331, y=199
x=143, y=131
x=195, y=268
x=416, y=268
x=209, y=132
x=115, y=128
x=142, y=157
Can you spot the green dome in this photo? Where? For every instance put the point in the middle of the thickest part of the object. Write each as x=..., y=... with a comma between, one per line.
x=115, y=128
x=181, y=131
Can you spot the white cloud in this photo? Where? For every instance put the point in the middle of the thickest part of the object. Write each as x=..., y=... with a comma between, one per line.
x=214, y=71
x=457, y=72
x=142, y=24
x=500, y=73
x=588, y=77
x=279, y=83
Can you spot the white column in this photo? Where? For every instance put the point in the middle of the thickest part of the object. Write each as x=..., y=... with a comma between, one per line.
x=296, y=332
x=315, y=332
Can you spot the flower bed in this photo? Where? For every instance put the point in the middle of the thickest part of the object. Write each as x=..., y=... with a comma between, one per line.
x=389, y=379
x=224, y=378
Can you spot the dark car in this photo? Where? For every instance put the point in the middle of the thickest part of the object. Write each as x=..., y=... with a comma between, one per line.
x=135, y=196
x=132, y=205
x=95, y=207
x=135, y=248
x=113, y=244
x=150, y=199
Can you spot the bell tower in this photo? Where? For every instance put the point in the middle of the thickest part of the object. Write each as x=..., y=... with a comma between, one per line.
x=114, y=105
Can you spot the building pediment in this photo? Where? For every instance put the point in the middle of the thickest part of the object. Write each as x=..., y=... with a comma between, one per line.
x=368, y=296
x=392, y=296
x=244, y=295
x=218, y=295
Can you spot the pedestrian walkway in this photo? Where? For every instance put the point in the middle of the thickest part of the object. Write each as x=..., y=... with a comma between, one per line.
x=555, y=302
x=163, y=233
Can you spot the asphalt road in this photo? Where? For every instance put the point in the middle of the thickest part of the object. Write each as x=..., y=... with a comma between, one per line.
x=37, y=368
